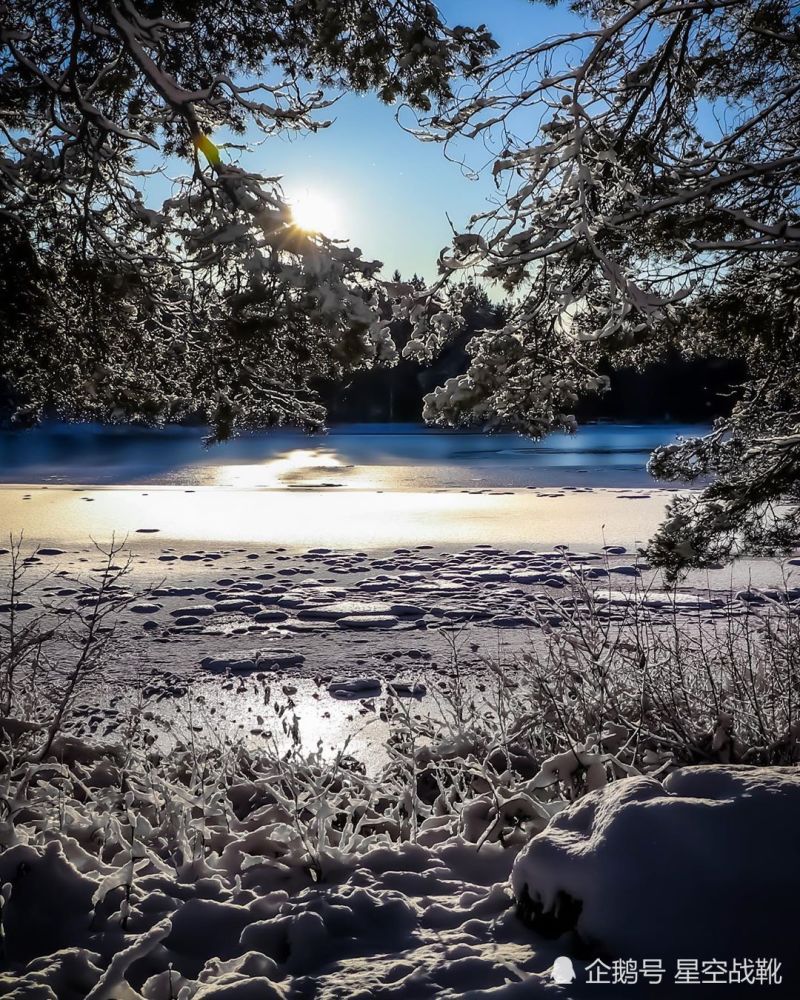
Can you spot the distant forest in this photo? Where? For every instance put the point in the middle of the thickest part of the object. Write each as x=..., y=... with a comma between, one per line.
x=669, y=387
x=665, y=386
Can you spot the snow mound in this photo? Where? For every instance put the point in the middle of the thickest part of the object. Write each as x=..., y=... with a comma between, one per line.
x=625, y=570
x=655, y=599
x=406, y=610
x=355, y=687
x=531, y=576
x=705, y=866
x=252, y=659
x=193, y=609
x=235, y=604
x=270, y=616
x=213, y=892
x=407, y=689
x=367, y=621
x=342, y=609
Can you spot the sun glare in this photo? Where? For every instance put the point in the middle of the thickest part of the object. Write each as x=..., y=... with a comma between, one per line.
x=316, y=213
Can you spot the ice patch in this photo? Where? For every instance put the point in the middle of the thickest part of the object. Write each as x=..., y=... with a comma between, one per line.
x=355, y=687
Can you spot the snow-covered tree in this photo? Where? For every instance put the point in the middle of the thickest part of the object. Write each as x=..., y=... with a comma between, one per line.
x=648, y=169
x=213, y=302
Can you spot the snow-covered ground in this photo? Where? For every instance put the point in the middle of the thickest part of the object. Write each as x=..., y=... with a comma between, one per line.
x=237, y=859
x=167, y=883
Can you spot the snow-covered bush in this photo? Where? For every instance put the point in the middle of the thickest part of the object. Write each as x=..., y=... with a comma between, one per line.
x=48, y=657
x=706, y=865
x=653, y=693
x=170, y=875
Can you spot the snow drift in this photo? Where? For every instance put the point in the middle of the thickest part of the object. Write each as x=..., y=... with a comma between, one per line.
x=705, y=866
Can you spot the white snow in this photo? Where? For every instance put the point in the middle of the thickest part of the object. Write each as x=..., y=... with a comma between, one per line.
x=706, y=865
x=346, y=609
x=195, y=877
x=178, y=887
x=367, y=621
x=290, y=878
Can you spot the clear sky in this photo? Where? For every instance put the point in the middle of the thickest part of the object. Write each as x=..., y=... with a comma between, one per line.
x=382, y=189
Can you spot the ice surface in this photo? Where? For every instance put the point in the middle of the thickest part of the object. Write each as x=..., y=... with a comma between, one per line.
x=252, y=659
x=396, y=456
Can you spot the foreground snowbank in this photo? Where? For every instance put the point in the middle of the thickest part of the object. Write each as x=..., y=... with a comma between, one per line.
x=705, y=866
x=403, y=922
x=214, y=879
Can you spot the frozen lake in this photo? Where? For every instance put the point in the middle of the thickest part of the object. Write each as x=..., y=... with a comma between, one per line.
x=360, y=486
x=441, y=522
x=361, y=457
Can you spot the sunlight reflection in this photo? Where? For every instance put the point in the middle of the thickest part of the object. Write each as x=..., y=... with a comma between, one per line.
x=309, y=466
x=240, y=714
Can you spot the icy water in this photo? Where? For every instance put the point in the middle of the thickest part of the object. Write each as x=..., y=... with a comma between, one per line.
x=365, y=457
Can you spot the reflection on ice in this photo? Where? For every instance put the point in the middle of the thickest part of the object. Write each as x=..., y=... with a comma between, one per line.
x=307, y=466
x=350, y=518
x=366, y=456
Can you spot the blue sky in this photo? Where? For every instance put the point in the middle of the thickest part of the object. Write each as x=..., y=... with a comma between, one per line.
x=390, y=193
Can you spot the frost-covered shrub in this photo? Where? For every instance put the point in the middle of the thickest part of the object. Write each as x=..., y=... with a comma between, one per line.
x=49, y=655
x=651, y=693
x=197, y=873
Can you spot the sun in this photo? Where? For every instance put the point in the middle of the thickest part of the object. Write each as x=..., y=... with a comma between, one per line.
x=315, y=212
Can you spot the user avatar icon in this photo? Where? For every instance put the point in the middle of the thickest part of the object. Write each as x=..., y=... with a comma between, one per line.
x=563, y=972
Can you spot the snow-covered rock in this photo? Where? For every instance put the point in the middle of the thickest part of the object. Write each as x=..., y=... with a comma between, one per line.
x=367, y=621
x=406, y=610
x=194, y=610
x=530, y=576
x=705, y=866
x=343, y=609
x=235, y=604
x=252, y=659
x=625, y=570
x=355, y=687
x=270, y=615
x=656, y=599
x=407, y=689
